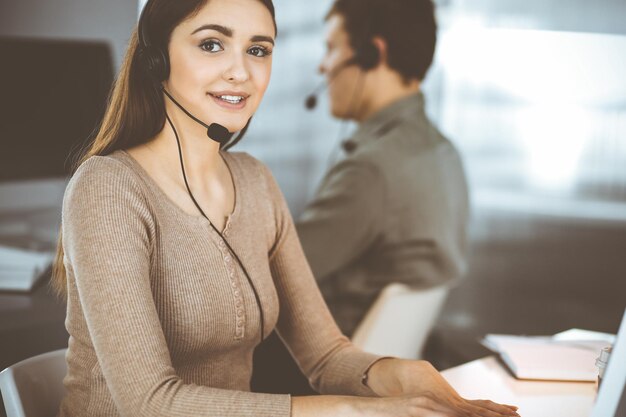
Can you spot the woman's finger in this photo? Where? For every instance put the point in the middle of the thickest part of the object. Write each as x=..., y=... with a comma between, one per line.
x=509, y=410
x=480, y=409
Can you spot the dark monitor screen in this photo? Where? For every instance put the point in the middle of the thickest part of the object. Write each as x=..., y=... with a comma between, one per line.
x=53, y=97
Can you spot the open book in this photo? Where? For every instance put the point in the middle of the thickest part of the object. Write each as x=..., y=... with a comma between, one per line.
x=567, y=356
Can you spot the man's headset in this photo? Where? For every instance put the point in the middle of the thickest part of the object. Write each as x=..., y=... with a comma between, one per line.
x=366, y=57
x=156, y=62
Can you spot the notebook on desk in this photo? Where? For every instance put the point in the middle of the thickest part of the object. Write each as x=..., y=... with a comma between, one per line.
x=549, y=358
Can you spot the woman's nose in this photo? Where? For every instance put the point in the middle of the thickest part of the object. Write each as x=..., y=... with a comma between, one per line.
x=237, y=71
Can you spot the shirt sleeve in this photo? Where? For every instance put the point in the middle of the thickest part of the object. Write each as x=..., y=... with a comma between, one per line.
x=344, y=218
x=107, y=227
x=332, y=364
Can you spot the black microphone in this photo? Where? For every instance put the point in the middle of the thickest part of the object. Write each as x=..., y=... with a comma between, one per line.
x=215, y=131
x=311, y=100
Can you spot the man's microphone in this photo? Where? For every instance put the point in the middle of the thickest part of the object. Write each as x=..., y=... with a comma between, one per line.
x=311, y=101
x=215, y=131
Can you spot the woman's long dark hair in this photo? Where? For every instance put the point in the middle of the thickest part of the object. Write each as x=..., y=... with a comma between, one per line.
x=136, y=110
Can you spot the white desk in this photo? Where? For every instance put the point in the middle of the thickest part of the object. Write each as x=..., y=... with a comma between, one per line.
x=487, y=379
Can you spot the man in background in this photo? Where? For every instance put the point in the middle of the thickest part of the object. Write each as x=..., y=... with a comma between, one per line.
x=395, y=209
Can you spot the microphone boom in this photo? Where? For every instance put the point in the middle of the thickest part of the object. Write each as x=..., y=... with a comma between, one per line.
x=215, y=131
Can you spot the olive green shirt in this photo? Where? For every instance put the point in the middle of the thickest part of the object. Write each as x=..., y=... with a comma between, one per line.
x=394, y=210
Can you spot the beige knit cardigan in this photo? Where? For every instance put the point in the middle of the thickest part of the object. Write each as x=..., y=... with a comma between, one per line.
x=162, y=320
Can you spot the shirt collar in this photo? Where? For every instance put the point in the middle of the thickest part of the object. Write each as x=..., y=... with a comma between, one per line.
x=409, y=107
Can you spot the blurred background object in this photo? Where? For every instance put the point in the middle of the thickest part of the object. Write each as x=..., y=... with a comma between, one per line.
x=532, y=93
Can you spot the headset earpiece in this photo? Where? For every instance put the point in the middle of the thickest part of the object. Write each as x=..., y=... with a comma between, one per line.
x=155, y=60
x=367, y=56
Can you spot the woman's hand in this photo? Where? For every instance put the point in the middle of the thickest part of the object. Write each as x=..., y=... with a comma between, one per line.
x=398, y=377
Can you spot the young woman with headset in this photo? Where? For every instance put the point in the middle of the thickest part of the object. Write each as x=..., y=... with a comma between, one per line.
x=177, y=258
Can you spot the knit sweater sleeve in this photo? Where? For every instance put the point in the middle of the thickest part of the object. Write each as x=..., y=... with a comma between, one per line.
x=332, y=364
x=107, y=229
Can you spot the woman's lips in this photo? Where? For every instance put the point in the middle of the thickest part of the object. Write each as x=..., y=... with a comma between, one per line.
x=226, y=101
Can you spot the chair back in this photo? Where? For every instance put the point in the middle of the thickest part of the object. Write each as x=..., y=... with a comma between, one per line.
x=399, y=321
x=34, y=386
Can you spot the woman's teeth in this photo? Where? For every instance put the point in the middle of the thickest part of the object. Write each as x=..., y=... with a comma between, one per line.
x=231, y=99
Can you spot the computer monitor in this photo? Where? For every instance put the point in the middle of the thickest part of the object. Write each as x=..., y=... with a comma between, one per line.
x=611, y=401
x=53, y=97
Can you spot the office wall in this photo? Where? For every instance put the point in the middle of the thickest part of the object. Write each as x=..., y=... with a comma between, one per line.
x=109, y=20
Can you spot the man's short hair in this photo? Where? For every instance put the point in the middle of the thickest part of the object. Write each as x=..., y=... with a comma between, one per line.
x=407, y=26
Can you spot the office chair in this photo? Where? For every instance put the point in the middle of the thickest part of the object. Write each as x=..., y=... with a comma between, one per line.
x=34, y=386
x=399, y=321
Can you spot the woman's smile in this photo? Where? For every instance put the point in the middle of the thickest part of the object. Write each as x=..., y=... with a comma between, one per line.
x=230, y=100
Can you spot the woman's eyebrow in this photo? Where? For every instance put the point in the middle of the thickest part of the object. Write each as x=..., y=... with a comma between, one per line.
x=261, y=38
x=229, y=32
x=219, y=28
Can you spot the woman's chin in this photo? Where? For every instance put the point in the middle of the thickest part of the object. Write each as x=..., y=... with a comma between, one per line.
x=233, y=120
x=233, y=125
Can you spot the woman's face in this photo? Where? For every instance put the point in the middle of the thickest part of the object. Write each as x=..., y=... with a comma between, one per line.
x=220, y=61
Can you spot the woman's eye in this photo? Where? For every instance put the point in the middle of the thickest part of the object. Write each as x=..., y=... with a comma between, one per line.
x=211, y=46
x=259, y=51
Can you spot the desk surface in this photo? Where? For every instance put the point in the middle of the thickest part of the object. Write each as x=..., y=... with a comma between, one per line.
x=488, y=379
